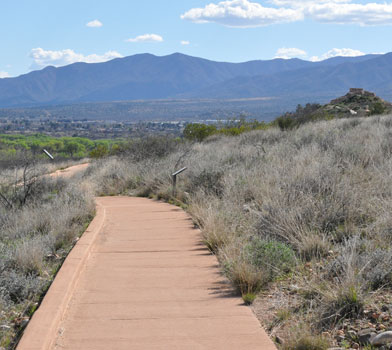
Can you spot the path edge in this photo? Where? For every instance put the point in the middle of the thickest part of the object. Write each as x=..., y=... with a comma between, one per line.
x=42, y=330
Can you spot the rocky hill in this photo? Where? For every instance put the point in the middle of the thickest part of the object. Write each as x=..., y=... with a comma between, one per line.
x=357, y=102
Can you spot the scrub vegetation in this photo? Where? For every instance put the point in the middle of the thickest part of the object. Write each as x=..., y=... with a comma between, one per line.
x=40, y=220
x=301, y=217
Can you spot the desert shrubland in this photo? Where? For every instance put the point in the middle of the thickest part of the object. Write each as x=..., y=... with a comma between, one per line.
x=39, y=225
x=307, y=208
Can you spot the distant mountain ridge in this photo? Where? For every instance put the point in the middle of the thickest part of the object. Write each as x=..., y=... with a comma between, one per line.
x=146, y=77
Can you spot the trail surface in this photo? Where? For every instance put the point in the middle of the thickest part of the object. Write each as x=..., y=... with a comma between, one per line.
x=140, y=278
x=71, y=171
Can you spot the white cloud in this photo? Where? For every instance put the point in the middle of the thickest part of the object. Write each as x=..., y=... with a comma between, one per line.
x=245, y=13
x=290, y=52
x=352, y=13
x=305, y=3
x=4, y=75
x=185, y=42
x=337, y=52
x=242, y=13
x=94, y=24
x=42, y=58
x=146, y=38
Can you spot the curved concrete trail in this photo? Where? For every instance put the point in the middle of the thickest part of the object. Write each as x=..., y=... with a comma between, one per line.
x=140, y=278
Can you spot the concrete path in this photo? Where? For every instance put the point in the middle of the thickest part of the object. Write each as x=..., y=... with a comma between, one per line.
x=140, y=278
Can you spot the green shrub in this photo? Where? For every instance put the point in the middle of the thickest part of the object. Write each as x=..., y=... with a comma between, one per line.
x=99, y=152
x=285, y=122
x=273, y=258
x=377, y=109
x=248, y=298
x=198, y=132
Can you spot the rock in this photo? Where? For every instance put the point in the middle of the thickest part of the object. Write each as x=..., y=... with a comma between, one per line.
x=352, y=334
x=355, y=346
x=24, y=322
x=365, y=336
x=384, y=308
x=382, y=339
x=375, y=316
x=279, y=340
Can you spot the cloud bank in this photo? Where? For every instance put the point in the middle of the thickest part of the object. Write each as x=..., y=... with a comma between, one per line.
x=248, y=13
x=291, y=52
x=42, y=58
x=337, y=52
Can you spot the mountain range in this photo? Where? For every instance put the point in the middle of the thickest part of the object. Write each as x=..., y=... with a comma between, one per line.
x=178, y=76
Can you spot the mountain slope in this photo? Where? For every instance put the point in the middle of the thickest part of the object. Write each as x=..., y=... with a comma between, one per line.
x=146, y=76
x=322, y=81
x=142, y=76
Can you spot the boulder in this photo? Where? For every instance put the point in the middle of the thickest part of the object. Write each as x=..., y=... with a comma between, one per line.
x=365, y=336
x=382, y=339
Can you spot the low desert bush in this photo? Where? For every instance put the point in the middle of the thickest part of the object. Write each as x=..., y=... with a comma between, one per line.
x=244, y=276
x=249, y=298
x=366, y=261
x=340, y=302
x=306, y=341
x=273, y=258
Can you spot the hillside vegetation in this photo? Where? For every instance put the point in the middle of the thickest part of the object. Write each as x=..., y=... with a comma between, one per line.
x=16, y=149
x=302, y=216
x=298, y=213
x=356, y=103
x=40, y=220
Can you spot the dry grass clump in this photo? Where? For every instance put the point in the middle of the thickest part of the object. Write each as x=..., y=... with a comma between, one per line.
x=35, y=236
x=305, y=341
x=311, y=205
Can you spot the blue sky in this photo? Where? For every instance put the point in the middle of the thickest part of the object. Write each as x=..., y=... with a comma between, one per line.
x=38, y=33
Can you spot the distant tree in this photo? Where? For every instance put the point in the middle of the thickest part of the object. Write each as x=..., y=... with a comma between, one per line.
x=198, y=132
x=73, y=147
x=100, y=151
